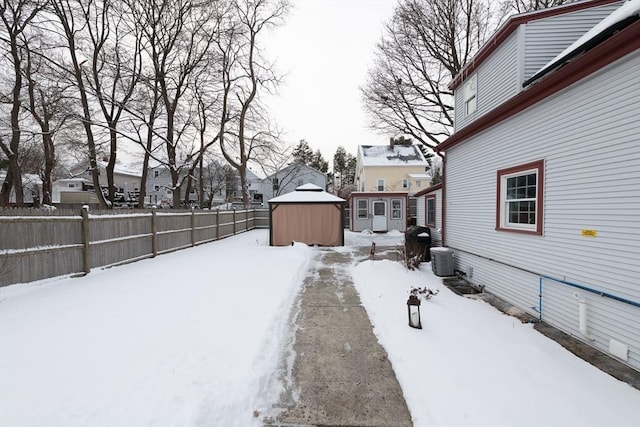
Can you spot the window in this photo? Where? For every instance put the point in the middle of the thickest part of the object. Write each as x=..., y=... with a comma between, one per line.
x=72, y=185
x=520, y=198
x=363, y=208
x=431, y=211
x=380, y=184
x=405, y=183
x=470, y=95
x=156, y=188
x=275, y=184
x=300, y=182
x=418, y=183
x=156, y=174
x=396, y=209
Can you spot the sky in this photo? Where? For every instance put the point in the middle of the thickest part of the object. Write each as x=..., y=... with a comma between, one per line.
x=325, y=49
x=195, y=338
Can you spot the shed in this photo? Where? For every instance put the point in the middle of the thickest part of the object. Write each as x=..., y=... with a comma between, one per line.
x=309, y=215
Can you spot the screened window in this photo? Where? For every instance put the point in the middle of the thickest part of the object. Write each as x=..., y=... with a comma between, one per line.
x=396, y=209
x=156, y=174
x=520, y=195
x=405, y=183
x=275, y=184
x=431, y=211
x=381, y=185
x=470, y=95
x=363, y=209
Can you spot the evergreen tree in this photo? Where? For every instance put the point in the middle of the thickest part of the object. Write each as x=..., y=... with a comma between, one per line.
x=303, y=153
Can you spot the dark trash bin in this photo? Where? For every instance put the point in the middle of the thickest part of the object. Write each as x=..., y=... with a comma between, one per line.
x=417, y=239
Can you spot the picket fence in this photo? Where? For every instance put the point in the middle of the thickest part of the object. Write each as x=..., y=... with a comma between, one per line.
x=35, y=247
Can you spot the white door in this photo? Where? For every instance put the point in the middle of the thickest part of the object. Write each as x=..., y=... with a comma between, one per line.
x=379, y=216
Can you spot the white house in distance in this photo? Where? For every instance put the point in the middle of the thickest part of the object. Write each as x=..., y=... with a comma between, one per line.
x=291, y=177
x=550, y=220
x=386, y=178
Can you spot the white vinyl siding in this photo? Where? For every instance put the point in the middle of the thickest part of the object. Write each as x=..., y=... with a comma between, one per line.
x=587, y=136
x=496, y=81
x=546, y=38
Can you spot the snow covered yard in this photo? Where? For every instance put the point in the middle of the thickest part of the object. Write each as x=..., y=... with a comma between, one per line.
x=186, y=339
x=193, y=338
x=471, y=365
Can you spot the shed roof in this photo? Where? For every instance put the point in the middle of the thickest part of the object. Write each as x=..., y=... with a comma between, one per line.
x=307, y=193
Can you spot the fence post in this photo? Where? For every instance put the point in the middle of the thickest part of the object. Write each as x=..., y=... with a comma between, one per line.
x=154, y=232
x=86, y=256
x=234, y=221
x=217, y=224
x=193, y=227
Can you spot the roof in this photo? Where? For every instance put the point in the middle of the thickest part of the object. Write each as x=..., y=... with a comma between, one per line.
x=428, y=190
x=629, y=10
x=387, y=155
x=307, y=193
x=613, y=46
x=511, y=25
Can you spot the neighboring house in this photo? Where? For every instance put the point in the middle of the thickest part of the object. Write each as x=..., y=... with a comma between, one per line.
x=73, y=190
x=395, y=167
x=31, y=189
x=291, y=177
x=429, y=207
x=387, y=176
x=159, y=188
x=549, y=220
x=127, y=182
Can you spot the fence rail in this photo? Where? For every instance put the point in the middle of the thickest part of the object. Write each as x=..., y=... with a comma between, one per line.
x=35, y=247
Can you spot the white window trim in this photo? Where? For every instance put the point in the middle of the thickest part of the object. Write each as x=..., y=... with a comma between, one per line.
x=365, y=209
x=471, y=95
x=502, y=220
x=399, y=209
x=378, y=184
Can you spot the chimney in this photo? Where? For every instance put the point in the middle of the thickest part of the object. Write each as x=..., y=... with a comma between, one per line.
x=391, y=142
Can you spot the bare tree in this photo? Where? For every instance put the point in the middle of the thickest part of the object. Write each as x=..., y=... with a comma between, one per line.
x=522, y=6
x=72, y=33
x=49, y=105
x=244, y=74
x=113, y=44
x=16, y=17
x=178, y=36
x=425, y=46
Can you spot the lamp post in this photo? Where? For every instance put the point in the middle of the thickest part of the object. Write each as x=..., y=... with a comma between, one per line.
x=413, y=311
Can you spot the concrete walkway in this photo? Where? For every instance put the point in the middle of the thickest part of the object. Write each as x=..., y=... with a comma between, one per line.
x=341, y=374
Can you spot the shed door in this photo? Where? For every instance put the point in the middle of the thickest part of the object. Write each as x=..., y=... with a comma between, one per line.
x=379, y=216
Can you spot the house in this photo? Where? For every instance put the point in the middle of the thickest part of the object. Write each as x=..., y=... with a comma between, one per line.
x=290, y=177
x=429, y=211
x=549, y=221
x=31, y=189
x=127, y=182
x=387, y=176
x=394, y=167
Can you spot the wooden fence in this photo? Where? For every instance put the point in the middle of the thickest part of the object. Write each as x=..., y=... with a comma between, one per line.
x=34, y=247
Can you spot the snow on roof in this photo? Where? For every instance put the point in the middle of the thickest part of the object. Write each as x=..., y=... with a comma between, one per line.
x=386, y=155
x=629, y=9
x=420, y=175
x=307, y=193
x=309, y=187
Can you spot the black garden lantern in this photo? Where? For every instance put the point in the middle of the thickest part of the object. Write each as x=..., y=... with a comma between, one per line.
x=413, y=311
